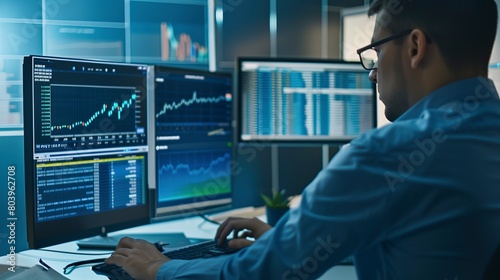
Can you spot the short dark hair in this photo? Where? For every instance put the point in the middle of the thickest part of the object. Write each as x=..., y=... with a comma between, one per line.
x=464, y=30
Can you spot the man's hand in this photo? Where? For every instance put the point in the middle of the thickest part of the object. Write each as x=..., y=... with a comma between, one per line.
x=251, y=228
x=138, y=258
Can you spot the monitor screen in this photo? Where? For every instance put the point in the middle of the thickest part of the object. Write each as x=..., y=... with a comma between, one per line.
x=85, y=148
x=193, y=141
x=295, y=100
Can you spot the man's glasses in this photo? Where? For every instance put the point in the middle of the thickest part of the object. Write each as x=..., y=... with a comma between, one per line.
x=369, y=56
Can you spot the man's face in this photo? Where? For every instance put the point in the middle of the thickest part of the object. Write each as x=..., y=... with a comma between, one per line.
x=389, y=75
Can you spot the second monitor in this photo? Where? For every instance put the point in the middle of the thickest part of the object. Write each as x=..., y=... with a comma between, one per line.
x=303, y=100
x=193, y=140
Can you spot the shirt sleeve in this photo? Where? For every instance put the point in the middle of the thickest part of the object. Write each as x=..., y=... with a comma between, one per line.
x=340, y=213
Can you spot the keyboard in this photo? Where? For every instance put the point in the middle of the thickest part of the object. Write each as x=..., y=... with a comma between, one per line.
x=205, y=249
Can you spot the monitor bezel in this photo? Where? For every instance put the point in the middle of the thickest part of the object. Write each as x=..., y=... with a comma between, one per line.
x=303, y=140
x=184, y=209
x=52, y=232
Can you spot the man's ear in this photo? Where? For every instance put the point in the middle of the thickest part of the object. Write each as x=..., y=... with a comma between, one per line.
x=418, y=47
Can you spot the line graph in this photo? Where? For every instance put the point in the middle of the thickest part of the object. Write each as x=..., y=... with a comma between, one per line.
x=194, y=100
x=179, y=168
x=80, y=111
x=196, y=108
x=186, y=174
x=104, y=111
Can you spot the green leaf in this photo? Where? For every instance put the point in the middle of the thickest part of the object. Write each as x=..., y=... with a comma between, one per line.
x=267, y=200
x=278, y=200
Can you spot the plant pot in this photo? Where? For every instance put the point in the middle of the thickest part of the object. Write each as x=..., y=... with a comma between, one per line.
x=274, y=214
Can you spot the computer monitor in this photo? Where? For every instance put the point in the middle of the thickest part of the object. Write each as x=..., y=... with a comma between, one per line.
x=303, y=100
x=86, y=149
x=192, y=145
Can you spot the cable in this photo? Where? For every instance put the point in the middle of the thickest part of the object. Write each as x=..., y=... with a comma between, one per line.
x=207, y=219
x=73, y=265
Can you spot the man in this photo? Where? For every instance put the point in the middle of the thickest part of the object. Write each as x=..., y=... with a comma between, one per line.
x=416, y=199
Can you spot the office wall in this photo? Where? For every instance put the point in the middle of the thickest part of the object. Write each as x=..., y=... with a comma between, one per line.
x=299, y=28
x=242, y=29
x=280, y=28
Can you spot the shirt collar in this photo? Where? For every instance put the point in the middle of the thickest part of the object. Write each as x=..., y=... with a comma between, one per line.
x=471, y=89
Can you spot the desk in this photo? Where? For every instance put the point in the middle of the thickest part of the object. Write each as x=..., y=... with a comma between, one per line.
x=193, y=227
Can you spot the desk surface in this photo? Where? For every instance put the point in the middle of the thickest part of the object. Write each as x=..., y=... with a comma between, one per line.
x=193, y=227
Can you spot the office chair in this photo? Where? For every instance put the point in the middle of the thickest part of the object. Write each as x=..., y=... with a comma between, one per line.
x=492, y=271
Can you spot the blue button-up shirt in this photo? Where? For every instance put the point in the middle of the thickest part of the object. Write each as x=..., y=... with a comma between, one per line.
x=415, y=199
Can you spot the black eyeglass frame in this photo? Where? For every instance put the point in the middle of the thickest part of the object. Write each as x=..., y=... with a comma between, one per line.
x=378, y=43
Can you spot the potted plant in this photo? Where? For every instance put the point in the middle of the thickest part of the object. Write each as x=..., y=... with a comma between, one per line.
x=276, y=206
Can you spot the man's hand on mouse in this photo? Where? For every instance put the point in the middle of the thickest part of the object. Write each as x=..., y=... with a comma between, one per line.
x=242, y=228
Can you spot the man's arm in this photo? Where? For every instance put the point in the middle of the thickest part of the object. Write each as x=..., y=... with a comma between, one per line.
x=343, y=210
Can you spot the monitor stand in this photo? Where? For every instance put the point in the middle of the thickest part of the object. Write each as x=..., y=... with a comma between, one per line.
x=109, y=242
